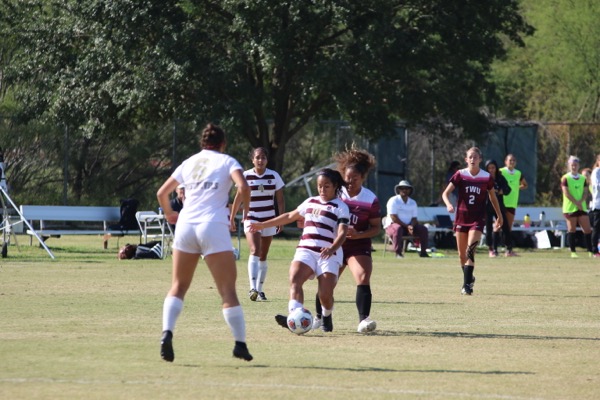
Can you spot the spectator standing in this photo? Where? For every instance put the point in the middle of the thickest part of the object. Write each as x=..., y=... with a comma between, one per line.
x=517, y=182
x=266, y=192
x=474, y=187
x=575, y=190
x=402, y=212
x=587, y=173
x=501, y=188
x=203, y=229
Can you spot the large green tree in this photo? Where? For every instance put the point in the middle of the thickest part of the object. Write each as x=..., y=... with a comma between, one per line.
x=556, y=76
x=262, y=68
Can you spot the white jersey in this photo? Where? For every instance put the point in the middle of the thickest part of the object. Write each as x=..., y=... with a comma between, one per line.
x=207, y=179
x=321, y=220
x=262, y=194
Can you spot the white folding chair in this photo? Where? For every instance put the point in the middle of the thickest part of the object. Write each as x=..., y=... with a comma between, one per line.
x=155, y=226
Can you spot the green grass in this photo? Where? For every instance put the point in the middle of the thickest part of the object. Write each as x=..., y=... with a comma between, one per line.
x=87, y=325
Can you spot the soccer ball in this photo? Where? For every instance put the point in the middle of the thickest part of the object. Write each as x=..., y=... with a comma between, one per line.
x=299, y=321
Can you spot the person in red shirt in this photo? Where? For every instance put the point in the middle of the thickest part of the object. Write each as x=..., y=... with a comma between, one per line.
x=474, y=187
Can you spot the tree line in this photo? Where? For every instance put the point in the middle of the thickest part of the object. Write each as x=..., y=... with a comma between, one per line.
x=100, y=99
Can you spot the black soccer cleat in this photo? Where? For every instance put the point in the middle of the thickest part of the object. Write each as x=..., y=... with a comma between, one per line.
x=327, y=324
x=468, y=289
x=166, y=346
x=241, y=351
x=281, y=321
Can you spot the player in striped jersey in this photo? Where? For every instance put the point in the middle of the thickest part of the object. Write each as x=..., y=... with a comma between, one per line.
x=474, y=187
x=365, y=222
x=266, y=188
x=319, y=252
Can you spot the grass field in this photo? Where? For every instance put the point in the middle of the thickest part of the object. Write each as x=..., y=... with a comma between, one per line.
x=87, y=325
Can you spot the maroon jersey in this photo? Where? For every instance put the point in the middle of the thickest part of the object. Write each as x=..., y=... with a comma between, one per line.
x=363, y=207
x=472, y=197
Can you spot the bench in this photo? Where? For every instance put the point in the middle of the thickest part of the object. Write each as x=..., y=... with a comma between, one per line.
x=55, y=221
x=553, y=220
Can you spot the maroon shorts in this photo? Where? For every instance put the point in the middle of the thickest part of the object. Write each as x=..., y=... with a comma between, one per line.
x=476, y=226
x=351, y=250
x=578, y=213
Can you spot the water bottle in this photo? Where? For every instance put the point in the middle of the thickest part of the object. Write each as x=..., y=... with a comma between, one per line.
x=160, y=211
x=542, y=216
x=527, y=221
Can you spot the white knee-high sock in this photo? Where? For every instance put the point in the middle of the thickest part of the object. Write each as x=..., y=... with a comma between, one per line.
x=253, y=271
x=234, y=316
x=262, y=274
x=171, y=309
x=293, y=304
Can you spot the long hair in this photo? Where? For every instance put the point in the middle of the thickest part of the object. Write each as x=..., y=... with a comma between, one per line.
x=358, y=159
x=258, y=150
x=212, y=137
x=335, y=177
x=488, y=162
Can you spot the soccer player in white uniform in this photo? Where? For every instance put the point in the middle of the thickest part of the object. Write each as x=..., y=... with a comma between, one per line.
x=266, y=191
x=319, y=252
x=203, y=229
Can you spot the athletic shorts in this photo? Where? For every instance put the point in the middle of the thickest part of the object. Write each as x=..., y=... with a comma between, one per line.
x=271, y=231
x=202, y=238
x=353, y=251
x=318, y=264
x=577, y=213
x=476, y=226
x=510, y=210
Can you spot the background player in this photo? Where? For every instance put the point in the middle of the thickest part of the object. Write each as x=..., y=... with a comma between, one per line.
x=266, y=191
x=575, y=191
x=517, y=182
x=474, y=187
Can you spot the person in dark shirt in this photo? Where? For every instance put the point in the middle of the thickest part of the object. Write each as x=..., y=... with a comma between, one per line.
x=492, y=236
x=177, y=202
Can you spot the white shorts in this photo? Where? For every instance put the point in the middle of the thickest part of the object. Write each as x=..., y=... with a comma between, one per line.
x=271, y=231
x=318, y=264
x=202, y=238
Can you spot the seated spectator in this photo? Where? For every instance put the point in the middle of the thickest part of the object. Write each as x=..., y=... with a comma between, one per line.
x=402, y=219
